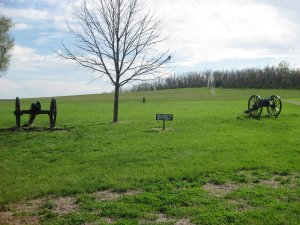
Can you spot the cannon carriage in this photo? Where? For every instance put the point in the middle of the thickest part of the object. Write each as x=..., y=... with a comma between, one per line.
x=35, y=110
x=256, y=104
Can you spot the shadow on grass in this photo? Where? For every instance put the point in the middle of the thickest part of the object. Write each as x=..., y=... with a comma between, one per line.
x=247, y=116
x=158, y=130
x=35, y=129
x=95, y=124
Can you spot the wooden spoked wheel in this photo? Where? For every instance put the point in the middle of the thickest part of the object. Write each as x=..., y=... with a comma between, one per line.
x=52, y=113
x=275, y=105
x=18, y=112
x=254, y=106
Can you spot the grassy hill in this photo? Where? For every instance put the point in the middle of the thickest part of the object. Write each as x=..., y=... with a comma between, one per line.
x=213, y=165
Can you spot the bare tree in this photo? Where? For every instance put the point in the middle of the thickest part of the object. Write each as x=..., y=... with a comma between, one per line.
x=6, y=43
x=116, y=40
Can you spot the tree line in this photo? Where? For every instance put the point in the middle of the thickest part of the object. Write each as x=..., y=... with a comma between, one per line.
x=280, y=76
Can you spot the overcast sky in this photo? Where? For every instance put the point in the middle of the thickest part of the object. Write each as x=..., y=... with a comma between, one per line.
x=202, y=34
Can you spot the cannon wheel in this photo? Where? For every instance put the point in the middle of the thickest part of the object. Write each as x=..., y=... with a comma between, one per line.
x=18, y=112
x=275, y=105
x=254, y=106
x=53, y=112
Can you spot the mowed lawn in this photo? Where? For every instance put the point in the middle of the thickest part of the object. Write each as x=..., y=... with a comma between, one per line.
x=212, y=164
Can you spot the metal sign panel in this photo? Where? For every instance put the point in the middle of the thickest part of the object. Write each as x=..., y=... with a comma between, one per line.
x=164, y=116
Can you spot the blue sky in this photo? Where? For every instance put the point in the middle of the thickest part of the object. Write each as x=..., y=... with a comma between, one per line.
x=202, y=34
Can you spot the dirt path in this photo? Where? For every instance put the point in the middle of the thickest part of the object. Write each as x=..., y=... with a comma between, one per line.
x=292, y=102
x=213, y=91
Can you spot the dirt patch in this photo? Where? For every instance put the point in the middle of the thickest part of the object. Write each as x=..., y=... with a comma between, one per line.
x=270, y=180
x=184, y=222
x=106, y=195
x=278, y=180
x=9, y=218
x=240, y=204
x=101, y=221
x=157, y=129
x=64, y=205
x=295, y=181
x=60, y=205
x=109, y=220
x=162, y=218
x=292, y=102
x=220, y=190
x=270, y=183
x=250, y=175
x=213, y=91
x=159, y=218
x=110, y=195
x=28, y=206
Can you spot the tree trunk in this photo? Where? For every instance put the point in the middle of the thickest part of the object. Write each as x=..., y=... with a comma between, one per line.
x=116, y=104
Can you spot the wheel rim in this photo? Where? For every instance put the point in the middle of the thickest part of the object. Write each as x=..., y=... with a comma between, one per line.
x=275, y=106
x=53, y=112
x=254, y=106
x=18, y=112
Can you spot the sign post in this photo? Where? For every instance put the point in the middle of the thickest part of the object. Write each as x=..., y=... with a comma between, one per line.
x=164, y=117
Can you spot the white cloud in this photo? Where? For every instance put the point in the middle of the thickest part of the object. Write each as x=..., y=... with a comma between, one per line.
x=213, y=30
x=32, y=14
x=22, y=26
x=27, y=59
x=10, y=89
x=31, y=74
x=54, y=15
x=45, y=38
x=199, y=31
x=7, y=88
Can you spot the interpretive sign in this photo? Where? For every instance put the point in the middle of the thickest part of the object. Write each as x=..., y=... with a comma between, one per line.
x=164, y=117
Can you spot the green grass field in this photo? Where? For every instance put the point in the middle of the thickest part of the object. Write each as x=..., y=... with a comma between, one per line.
x=212, y=165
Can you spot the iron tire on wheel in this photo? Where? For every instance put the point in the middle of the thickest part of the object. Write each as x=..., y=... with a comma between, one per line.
x=274, y=108
x=53, y=112
x=254, y=106
x=18, y=112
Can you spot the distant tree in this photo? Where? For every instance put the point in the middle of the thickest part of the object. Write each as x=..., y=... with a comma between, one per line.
x=116, y=40
x=6, y=43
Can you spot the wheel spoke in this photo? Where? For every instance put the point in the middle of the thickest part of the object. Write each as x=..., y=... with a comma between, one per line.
x=254, y=106
x=274, y=107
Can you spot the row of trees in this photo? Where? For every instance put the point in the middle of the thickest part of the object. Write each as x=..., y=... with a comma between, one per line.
x=281, y=76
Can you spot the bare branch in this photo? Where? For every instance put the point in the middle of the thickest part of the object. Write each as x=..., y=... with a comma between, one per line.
x=117, y=41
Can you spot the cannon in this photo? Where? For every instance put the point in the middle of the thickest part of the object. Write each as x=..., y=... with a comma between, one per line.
x=35, y=110
x=256, y=104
